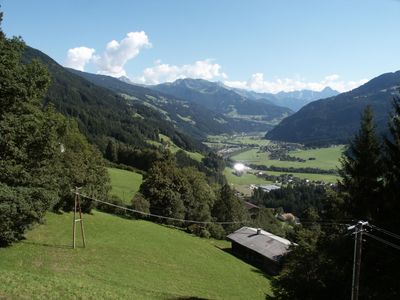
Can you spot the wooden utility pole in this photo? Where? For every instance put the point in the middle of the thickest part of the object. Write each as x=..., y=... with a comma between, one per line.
x=77, y=206
x=357, y=258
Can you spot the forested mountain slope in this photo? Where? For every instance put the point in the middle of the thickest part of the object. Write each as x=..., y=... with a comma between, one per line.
x=189, y=117
x=101, y=113
x=336, y=119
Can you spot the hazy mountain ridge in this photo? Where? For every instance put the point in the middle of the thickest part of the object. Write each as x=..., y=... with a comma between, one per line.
x=220, y=99
x=293, y=100
x=336, y=119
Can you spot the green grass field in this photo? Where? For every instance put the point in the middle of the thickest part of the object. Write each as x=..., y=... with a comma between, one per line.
x=325, y=158
x=124, y=184
x=327, y=178
x=174, y=148
x=124, y=259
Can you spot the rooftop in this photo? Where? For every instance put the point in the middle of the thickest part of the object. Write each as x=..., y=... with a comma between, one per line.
x=265, y=243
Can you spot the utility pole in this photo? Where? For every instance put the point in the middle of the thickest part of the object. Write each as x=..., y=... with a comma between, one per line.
x=77, y=206
x=357, y=257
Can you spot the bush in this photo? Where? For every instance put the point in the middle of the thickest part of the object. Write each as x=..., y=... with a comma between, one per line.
x=140, y=203
x=20, y=207
x=216, y=231
x=112, y=209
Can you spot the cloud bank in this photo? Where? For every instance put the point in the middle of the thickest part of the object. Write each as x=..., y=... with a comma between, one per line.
x=259, y=84
x=160, y=72
x=117, y=53
x=113, y=59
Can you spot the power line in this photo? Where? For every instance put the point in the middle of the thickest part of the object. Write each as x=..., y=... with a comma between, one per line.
x=159, y=216
x=382, y=241
x=386, y=231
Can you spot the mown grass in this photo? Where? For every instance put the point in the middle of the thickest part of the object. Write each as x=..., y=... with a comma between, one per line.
x=124, y=184
x=124, y=259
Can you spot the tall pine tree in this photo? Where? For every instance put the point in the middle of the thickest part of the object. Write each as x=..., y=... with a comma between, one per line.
x=362, y=172
x=392, y=171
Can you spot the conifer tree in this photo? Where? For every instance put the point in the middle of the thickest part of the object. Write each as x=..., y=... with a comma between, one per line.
x=392, y=170
x=361, y=171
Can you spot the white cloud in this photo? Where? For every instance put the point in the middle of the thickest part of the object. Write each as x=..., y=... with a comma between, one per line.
x=117, y=54
x=204, y=69
x=113, y=59
x=259, y=84
x=78, y=57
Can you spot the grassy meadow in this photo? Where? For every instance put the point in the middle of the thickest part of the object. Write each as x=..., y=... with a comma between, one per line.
x=124, y=184
x=325, y=158
x=174, y=148
x=124, y=259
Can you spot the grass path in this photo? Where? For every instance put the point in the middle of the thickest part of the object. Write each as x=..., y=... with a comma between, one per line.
x=124, y=259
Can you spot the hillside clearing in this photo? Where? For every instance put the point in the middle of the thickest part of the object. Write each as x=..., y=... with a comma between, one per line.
x=124, y=184
x=123, y=259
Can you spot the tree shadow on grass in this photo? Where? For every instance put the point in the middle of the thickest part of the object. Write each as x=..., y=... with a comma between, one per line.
x=49, y=245
x=189, y=298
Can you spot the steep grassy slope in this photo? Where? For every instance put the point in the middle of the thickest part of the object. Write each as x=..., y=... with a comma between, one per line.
x=124, y=259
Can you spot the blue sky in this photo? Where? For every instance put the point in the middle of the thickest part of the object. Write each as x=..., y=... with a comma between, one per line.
x=264, y=45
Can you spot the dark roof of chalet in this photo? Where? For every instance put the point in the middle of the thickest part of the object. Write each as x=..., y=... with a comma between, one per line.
x=249, y=205
x=265, y=243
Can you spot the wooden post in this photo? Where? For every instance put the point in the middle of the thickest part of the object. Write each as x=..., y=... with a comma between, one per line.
x=77, y=206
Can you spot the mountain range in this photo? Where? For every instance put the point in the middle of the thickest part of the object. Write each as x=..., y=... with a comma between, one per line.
x=293, y=100
x=231, y=104
x=188, y=110
x=103, y=114
x=336, y=119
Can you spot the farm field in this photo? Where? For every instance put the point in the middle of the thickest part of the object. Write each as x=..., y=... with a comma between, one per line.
x=124, y=259
x=124, y=184
x=325, y=158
